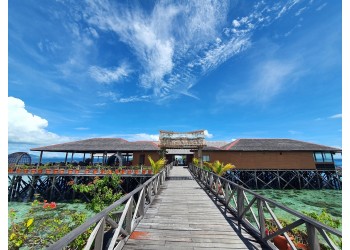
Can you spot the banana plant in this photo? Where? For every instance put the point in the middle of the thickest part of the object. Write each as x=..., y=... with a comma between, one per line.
x=158, y=165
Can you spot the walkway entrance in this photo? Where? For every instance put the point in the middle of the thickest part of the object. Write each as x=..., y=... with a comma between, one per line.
x=180, y=146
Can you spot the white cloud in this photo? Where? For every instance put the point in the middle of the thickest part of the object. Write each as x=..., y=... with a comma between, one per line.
x=321, y=7
x=336, y=116
x=27, y=128
x=236, y=23
x=207, y=134
x=301, y=10
x=104, y=75
x=222, y=52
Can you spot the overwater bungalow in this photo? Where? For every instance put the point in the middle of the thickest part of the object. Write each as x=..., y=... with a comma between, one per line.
x=245, y=154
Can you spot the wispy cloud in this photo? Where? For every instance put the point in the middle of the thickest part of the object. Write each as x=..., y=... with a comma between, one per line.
x=321, y=7
x=48, y=46
x=336, y=116
x=300, y=11
x=269, y=80
x=104, y=75
x=117, y=98
x=294, y=132
x=177, y=43
x=82, y=128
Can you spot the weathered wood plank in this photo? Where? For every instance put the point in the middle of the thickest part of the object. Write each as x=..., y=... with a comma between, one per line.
x=184, y=217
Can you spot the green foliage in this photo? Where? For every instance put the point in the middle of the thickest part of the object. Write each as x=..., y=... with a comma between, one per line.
x=18, y=232
x=158, y=165
x=102, y=192
x=218, y=167
x=195, y=161
x=42, y=227
x=299, y=234
x=329, y=220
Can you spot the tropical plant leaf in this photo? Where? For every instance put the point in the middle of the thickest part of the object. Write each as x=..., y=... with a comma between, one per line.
x=30, y=222
x=158, y=165
x=218, y=167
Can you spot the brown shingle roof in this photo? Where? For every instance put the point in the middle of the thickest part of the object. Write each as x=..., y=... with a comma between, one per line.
x=100, y=145
x=214, y=145
x=276, y=145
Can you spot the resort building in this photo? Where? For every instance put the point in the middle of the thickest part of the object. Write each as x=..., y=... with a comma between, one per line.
x=247, y=154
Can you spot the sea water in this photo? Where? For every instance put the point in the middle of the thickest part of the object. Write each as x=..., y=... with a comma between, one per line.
x=22, y=208
x=306, y=201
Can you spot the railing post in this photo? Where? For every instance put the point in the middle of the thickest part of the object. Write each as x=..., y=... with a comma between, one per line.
x=227, y=195
x=161, y=178
x=142, y=203
x=261, y=218
x=312, y=238
x=211, y=179
x=128, y=218
x=240, y=203
x=99, y=236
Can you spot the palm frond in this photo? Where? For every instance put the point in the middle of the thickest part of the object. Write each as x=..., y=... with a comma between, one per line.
x=218, y=167
x=158, y=165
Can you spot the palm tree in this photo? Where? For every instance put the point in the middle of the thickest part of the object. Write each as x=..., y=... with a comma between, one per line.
x=158, y=165
x=218, y=167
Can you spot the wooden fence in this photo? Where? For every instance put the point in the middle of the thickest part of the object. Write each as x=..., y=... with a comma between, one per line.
x=118, y=225
x=235, y=199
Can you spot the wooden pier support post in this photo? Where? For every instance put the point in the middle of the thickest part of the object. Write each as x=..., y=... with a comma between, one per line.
x=32, y=186
x=18, y=186
x=278, y=179
x=51, y=188
x=12, y=187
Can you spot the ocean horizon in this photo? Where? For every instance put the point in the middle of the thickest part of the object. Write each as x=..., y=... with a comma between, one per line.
x=35, y=159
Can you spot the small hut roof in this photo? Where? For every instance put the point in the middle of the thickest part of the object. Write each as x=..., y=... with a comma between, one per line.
x=100, y=145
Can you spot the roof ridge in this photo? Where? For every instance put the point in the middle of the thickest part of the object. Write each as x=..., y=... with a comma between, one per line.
x=231, y=144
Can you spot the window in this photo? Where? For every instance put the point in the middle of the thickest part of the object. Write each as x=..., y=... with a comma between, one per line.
x=142, y=159
x=318, y=157
x=327, y=157
x=323, y=157
x=127, y=158
x=206, y=158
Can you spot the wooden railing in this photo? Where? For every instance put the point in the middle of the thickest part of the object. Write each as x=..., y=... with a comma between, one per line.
x=120, y=223
x=234, y=198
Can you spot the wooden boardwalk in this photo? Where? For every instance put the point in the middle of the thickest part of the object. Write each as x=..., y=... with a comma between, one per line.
x=183, y=216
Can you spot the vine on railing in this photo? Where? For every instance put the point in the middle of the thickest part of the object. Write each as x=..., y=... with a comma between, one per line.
x=118, y=223
x=234, y=198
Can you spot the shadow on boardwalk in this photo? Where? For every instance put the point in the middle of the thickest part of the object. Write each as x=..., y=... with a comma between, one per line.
x=250, y=242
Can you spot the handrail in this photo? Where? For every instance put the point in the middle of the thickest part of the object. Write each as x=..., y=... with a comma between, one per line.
x=131, y=216
x=224, y=191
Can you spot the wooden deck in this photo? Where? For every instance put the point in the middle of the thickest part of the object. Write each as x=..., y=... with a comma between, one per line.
x=184, y=217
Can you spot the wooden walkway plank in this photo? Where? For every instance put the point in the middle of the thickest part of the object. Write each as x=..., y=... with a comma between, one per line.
x=182, y=216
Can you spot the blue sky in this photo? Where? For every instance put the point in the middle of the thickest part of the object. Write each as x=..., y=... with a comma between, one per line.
x=238, y=69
